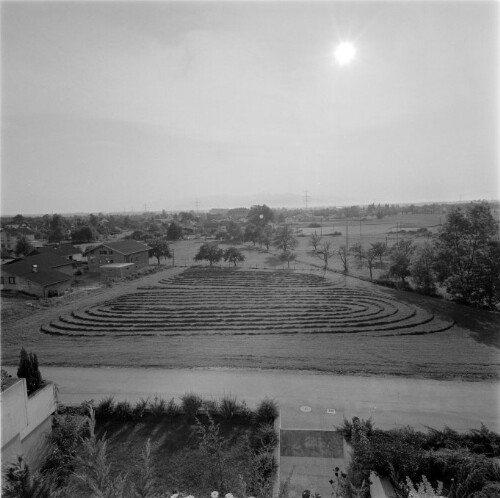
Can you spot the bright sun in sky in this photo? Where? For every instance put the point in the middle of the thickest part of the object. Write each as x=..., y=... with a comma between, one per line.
x=344, y=53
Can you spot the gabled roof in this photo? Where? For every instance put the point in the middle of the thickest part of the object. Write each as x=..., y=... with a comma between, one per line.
x=60, y=250
x=43, y=277
x=19, y=231
x=47, y=260
x=124, y=246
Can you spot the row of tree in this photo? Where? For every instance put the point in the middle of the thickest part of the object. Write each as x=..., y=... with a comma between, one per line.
x=463, y=258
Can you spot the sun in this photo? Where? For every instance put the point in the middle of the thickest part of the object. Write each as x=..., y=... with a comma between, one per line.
x=344, y=53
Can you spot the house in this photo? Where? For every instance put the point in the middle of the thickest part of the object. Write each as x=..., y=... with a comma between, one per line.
x=51, y=261
x=9, y=237
x=26, y=421
x=22, y=276
x=121, y=251
x=67, y=251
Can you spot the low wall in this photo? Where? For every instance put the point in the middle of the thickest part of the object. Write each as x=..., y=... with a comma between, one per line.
x=26, y=421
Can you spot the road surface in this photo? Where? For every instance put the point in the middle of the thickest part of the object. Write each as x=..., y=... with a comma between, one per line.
x=390, y=401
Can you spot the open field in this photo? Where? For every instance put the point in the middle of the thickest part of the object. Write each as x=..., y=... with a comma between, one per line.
x=332, y=345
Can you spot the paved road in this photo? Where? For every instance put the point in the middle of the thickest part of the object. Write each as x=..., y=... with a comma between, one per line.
x=390, y=401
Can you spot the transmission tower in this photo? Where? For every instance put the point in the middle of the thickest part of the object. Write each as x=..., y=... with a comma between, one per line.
x=306, y=198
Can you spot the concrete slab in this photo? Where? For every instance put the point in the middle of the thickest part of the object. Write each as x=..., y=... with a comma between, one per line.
x=308, y=473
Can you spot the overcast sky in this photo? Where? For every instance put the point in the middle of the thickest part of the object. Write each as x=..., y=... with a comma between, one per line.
x=111, y=106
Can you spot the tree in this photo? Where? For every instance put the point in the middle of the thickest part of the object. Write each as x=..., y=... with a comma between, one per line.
x=467, y=250
x=422, y=268
x=344, y=257
x=18, y=219
x=266, y=236
x=233, y=255
x=260, y=215
x=400, y=257
x=83, y=235
x=57, y=235
x=286, y=241
x=252, y=233
x=209, y=252
x=285, y=238
x=23, y=246
x=159, y=249
x=380, y=249
x=28, y=369
x=324, y=251
x=234, y=231
x=358, y=250
x=314, y=240
x=370, y=257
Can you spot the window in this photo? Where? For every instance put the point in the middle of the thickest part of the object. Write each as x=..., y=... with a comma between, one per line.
x=110, y=252
x=1, y=280
x=12, y=280
x=103, y=252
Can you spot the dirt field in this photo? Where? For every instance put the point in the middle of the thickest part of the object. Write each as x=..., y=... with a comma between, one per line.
x=465, y=351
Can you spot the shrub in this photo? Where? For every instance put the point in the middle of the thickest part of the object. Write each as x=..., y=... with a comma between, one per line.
x=123, y=410
x=157, y=406
x=171, y=408
x=105, y=408
x=267, y=411
x=140, y=408
x=266, y=436
x=191, y=403
x=228, y=406
x=211, y=406
x=347, y=427
x=28, y=369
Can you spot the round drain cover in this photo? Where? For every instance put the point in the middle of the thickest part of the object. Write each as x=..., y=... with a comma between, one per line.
x=305, y=409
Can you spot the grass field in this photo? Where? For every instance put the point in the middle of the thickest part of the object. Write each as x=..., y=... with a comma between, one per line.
x=298, y=323
x=458, y=352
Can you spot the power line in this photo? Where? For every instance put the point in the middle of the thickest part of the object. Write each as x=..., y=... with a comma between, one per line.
x=306, y=197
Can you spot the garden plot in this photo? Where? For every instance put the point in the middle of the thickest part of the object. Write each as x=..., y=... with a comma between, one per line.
x=228, y=301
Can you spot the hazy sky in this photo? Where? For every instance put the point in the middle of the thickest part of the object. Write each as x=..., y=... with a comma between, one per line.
x=108, y=106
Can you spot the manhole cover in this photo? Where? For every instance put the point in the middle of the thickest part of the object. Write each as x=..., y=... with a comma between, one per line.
x=305, y=409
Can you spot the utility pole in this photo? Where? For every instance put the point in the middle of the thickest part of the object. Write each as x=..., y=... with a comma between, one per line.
x=347, y=235
x=173, y=257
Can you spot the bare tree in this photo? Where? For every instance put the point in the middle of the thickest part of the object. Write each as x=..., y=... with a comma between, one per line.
x=325, y=252
x=344, y=257
x=314, y=241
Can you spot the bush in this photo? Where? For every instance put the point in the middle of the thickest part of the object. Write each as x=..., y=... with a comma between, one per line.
x=157, y=406
x=266, y=436
x=347, y=427
x=105, y=409
x=267, y=411
x=124, y=411
x=140, y=408
x=171, y=408
x=191, y=403
x=228, y=406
